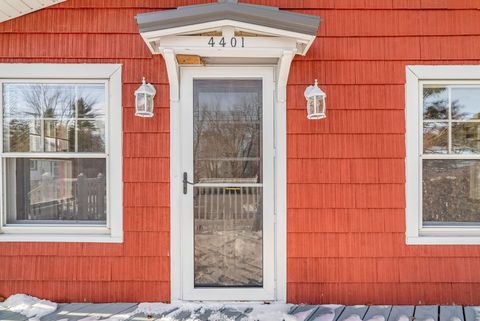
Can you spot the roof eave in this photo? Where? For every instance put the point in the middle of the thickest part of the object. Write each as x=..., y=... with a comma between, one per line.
x=254, y=14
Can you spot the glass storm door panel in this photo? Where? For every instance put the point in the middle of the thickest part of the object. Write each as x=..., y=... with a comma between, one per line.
x=227, y=195
x=230, y=199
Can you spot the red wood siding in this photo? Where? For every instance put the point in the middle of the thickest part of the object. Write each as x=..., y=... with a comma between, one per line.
x=346, y=219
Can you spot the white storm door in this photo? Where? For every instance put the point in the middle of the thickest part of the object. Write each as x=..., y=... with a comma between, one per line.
x=227, y=213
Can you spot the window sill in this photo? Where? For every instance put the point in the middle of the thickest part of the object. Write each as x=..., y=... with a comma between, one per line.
x=68, y=238
x=443, y=240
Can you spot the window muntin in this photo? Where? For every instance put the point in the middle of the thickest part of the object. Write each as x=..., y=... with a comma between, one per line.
x=45, y=125
x=450, y=157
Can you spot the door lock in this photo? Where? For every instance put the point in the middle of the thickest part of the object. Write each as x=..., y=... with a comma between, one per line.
x=185, y=182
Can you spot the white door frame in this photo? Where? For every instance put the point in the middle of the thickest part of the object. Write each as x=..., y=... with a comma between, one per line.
x=276, y=291
x=187, y=75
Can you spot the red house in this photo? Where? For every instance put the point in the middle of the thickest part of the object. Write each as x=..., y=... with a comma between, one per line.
x=228, y=174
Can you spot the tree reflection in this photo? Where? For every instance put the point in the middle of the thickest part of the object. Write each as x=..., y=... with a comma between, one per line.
x=227, y=138
x=451, y=188
x=49, y=117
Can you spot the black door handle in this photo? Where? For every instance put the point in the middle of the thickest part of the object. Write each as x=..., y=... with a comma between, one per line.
x=185, y=182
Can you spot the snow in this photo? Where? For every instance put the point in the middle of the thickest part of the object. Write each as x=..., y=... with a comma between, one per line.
x=29, y=306
x=325, y=317
x=353, y=317
x=271, y=312
x=154, y=308
x=35, y=308
x=377, y=318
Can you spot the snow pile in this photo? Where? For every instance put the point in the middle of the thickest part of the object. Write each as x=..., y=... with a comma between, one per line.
x=34, y=309
x=193, y=311
x=29, y=306
x=325, y=317
x=353, y=317
x=377, y=318
x=154, y=308
x=271, y=312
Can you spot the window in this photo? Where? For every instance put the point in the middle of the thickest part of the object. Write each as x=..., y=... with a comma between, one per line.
x=443, y=154
x=61, y=153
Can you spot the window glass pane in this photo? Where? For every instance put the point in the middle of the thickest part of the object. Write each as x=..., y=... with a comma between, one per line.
x=435, y=138
x=466, y=138
x=91, y=101
x=59, y=135
x=55, y=191
x=465, y=103
x=227, y=130
x=435, y=103
x=228, y=236
x=91, y=135
x=451, y=191
x=52, y=117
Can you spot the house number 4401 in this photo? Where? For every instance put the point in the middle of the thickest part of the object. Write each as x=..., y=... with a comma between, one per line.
x=233, y=42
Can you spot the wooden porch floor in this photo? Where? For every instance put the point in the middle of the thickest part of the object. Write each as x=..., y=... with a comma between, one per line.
x=121, y=312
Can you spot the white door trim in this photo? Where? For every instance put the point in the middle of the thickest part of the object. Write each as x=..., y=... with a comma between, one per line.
x=275, y=288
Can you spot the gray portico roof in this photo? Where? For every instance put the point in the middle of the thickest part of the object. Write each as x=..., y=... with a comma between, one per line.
x=270, y=17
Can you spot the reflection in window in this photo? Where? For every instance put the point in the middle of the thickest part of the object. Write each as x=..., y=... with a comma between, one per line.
x=228, y=211
x=50, y=119
x=227, y=130
x=451, y=191
x=56, y=190
x=53, y=117
x=451, y=142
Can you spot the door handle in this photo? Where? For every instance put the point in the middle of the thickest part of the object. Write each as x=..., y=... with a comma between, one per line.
x=185, y=182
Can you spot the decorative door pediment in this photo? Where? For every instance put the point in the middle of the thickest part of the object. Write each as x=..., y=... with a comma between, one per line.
x=228, y=32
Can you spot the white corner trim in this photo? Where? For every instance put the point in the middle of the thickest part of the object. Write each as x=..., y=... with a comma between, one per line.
x=110, y=74
x=415, y=75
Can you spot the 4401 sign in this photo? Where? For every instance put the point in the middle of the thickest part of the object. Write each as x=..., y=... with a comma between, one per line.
x=232, y=42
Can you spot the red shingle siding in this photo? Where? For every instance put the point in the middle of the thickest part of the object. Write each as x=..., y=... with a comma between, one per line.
x=346, y=200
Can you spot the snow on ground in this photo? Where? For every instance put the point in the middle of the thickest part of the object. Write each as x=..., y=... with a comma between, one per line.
x=29, y=306
x=377, y=318
x=35, y=308
x=353, y=317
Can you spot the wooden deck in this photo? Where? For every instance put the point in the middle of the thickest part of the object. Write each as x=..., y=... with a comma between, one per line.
x=123, y=311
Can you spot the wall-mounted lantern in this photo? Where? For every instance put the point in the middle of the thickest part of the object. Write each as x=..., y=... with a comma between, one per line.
x=315, y=102
x=144, y=100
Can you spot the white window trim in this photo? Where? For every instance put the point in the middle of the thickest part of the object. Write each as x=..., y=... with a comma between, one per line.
x=415, y=77
x=113, y=232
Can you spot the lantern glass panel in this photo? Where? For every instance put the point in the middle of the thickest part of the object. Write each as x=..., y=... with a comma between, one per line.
x=319, y=104
x=311, y=106
x=140, y=102
x=149, y=104
x=316, y=107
